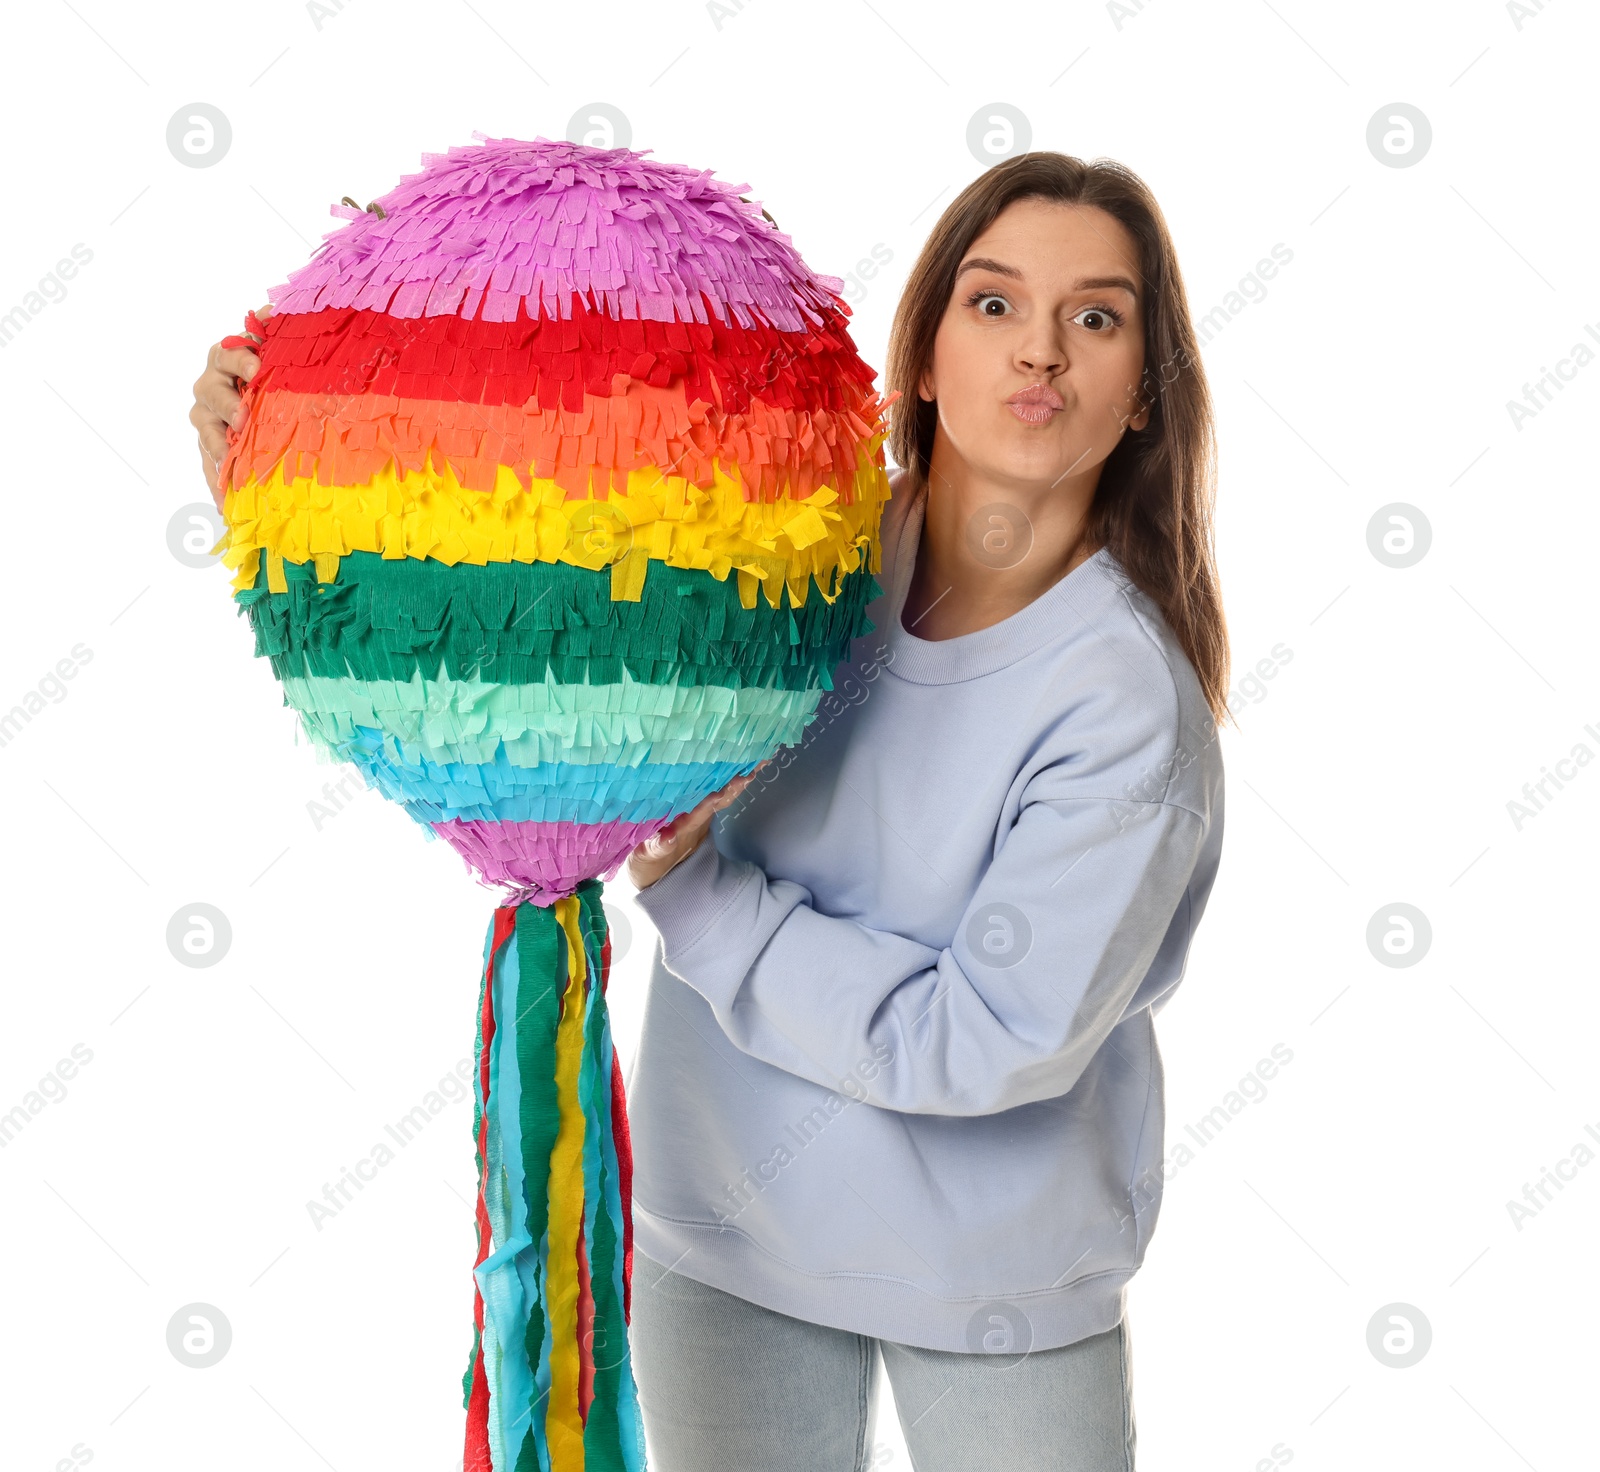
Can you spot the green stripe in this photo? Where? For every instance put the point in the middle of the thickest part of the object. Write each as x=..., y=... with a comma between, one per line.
x=602, y=1438
x=507, y=623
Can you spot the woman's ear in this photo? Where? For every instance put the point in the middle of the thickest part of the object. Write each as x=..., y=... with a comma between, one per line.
x=925, y=387
x=1141, y=419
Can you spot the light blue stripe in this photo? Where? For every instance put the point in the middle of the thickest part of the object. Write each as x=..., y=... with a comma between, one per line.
x=508, y=1277
x=551, y=792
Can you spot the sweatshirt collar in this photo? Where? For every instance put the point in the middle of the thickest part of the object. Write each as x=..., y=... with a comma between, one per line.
x=1069, y=603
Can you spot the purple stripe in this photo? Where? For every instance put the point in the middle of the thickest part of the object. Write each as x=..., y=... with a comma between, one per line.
x=543, y=862
x=494, y=224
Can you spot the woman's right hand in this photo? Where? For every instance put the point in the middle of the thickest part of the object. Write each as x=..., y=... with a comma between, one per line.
x=217, y=407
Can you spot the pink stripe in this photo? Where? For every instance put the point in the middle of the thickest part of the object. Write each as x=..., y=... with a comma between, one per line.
x=543, y=862
x=484, y=228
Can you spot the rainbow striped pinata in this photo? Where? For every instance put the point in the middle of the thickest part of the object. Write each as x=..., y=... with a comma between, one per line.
x=556, y=507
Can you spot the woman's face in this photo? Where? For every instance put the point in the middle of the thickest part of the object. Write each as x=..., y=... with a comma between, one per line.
x=1037, y=360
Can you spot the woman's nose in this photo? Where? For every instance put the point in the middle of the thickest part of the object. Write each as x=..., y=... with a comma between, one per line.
x=1041, y=362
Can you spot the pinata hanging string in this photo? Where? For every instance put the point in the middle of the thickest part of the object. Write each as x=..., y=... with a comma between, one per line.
x=372, y=209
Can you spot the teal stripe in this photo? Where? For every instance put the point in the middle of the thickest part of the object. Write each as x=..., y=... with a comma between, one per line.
x=553, y=793
x=601, y=1451
x=499, y=1307
x=627, y=723
x=542, y=967
x=516, y=1379
x=607, y=1433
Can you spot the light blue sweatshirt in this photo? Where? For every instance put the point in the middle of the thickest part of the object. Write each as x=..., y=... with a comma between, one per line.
x=898, y=1072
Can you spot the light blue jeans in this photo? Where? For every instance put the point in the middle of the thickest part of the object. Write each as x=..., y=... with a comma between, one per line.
x=728, y=1386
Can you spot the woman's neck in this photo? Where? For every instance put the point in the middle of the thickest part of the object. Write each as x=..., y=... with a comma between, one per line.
x=986, y=551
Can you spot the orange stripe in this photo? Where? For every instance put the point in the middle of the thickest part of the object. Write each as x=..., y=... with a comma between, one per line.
x=345, y=439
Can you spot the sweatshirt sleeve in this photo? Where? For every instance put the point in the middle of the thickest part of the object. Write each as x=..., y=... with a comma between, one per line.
x=1046, y=959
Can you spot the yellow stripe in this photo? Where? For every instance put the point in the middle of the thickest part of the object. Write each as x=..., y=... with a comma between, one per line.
x=661, y=517
x=563, y=1424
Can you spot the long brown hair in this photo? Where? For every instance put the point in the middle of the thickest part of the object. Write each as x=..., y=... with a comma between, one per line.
x=1153, y=504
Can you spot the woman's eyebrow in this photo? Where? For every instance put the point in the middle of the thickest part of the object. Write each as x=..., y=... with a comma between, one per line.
x=1100, y=283
x=1088, y=283
x=986, y=263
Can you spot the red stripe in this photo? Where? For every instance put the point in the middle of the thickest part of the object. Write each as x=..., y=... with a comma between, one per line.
x=585, y=1332
x=624, y=1147
x=585, y=1287
x=624, y=1144
x=476, y=1457
x=341, y=350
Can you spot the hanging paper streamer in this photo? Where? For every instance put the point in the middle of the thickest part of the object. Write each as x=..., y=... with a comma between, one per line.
x=555, y=506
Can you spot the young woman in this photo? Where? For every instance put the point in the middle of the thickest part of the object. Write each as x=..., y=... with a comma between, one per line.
x=898, y=1092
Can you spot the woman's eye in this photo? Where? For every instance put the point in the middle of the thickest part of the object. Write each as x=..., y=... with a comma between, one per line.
x=990, y=304
x=1101, y=319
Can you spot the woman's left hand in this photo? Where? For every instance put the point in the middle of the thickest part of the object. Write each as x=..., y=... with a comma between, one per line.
x=682, y=836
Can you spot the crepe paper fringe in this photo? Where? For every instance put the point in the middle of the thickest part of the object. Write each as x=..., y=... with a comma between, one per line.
x=541, y=369
x=532, y=359
x=429, y=514
x=625, y=724
x=554, y=792
x=487, y=228
x=549, y=1381
x=346, y=439
x=541, y=862
x=524, y=623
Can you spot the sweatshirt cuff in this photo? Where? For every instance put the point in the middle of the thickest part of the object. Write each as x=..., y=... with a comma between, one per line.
x=686, y=901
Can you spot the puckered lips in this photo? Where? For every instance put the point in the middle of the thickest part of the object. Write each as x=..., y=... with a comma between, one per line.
x=1036, y=404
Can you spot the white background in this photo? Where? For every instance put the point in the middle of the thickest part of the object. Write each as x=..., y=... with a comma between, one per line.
x=1375, y=766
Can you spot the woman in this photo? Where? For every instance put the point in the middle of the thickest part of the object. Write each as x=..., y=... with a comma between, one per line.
x=898, y=1092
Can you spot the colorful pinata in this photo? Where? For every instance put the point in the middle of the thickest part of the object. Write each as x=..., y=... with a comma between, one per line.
x=556, y=507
